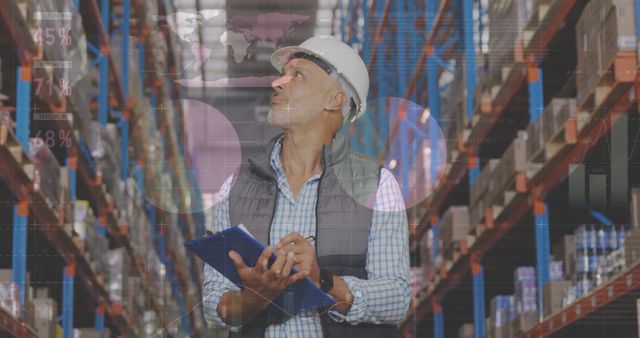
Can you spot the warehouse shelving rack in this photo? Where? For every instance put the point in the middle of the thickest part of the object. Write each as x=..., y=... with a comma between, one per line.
x=32, y=202
x=442, y=34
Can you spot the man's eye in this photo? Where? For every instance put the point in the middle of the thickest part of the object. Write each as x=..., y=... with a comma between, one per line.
x=298, y=74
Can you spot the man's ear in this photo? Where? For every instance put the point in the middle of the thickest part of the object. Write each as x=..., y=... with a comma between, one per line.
x=336, y=100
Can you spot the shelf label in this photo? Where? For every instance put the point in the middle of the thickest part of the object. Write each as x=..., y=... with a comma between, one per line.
x=629, y=280
x=610, y=291
x=578, y=309
x=594, y=301
x=564, y=318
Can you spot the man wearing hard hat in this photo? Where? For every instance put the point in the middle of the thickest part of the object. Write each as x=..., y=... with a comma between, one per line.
x=333, y=214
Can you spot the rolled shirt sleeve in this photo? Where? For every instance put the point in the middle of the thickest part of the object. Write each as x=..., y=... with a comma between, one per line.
x=215, y=284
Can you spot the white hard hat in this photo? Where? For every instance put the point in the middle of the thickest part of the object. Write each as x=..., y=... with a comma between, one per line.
x=344, y=59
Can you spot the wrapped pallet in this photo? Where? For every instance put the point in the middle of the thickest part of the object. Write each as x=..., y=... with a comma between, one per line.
x=47, y=175
x=45, y=317
x=119, y=270
x=107, y=155
x=79, y=106
x=97, y=244
x=9, y=300
x=150, y=324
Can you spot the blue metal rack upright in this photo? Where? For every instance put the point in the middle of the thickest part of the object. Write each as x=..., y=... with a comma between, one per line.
x=478, y=298
x=433, y=90
x=68, y=273
x=438, y=321
x=543, y=254
x=540, y=209
x=19, y=255
x=99, y=318
x=23, y=102
x=470, y=73
x=123, y=116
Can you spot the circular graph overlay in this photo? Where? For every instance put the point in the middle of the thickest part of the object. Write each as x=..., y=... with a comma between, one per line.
x=409, y=143
x=210, y=154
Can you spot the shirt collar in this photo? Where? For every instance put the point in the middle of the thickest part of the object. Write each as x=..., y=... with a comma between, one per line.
x=276, y=164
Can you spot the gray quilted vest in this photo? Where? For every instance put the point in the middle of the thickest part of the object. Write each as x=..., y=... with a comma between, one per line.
x=347, y=185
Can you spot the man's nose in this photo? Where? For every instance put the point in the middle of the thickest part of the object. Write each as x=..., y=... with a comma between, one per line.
x=279, y=82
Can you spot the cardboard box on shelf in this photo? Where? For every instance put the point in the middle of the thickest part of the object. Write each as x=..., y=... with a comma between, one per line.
x=635, y=207
x=466, y=331
x=569, y=109
x=552, y=295
x=618, y=29
x=42, y=293
x=455, y=225
x=6, y=275
x=524, y=322
x=46, y=314
x=513, y=161
x=507, y=20
x=97, y=244
x=565, y=250
x=632, y=247
x=589, y=58
x=9, y=299
x=476, y=215
x=535, y=139
x=500, y=309
x=525, y=289
x=556, y=271
x=477, y=191
x=86, y=333
x=555, y=115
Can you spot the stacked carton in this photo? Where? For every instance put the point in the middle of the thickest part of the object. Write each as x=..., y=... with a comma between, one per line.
x=427, y=261
x=454, y=117
x=499, y=316
x=635, y=207
x=605, y=28
x=507, y=20
x=107, y=155
x=526, y=306
x=478, y=193
x=466, y=331
x=542, y=131
x=455, y=227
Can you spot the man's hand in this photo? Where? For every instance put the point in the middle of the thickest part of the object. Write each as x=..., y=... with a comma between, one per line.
x=304, y=255
x=263, y=284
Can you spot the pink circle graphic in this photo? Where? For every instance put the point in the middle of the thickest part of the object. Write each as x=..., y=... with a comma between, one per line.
x=408, y=142
x=211, y=153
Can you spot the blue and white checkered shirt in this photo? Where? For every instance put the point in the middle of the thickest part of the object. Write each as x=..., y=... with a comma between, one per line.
x=382, y=298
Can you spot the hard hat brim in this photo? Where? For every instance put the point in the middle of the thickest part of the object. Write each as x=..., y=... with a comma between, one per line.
x=280, y=57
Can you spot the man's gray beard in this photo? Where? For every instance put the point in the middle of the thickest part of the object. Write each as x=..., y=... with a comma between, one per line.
x=284, y=120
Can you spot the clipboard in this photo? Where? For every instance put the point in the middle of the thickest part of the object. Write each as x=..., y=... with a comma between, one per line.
x=214, y=250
